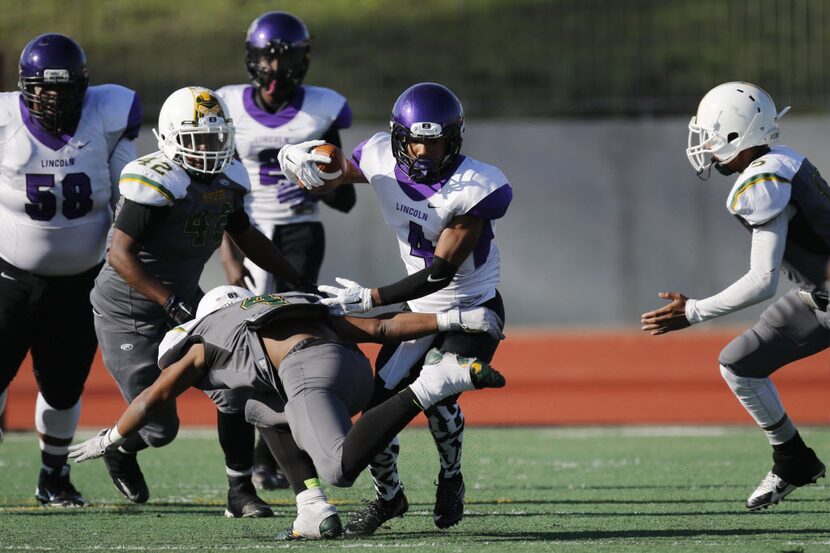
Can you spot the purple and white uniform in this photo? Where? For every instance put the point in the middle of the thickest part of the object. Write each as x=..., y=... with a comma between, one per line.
x=57, y=193
x=274, y=200
x=420, y=212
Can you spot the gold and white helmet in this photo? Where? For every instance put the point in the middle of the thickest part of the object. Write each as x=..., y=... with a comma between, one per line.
x=195, y=130
x=731, y=118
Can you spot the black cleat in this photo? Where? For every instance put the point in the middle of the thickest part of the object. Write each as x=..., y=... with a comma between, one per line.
x=268, y=478
x=56, y=490
x=449, y=501
x=243, y=502
x=365, y=522
x=126, y=475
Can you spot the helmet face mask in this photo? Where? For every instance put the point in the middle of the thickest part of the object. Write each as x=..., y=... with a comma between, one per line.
x=424, y=113
x=731, y=118
x=194, y=133
x=277, y=53
x=53, y=79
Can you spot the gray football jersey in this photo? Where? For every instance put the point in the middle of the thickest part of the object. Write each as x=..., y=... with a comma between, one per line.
x=233, y=351
x=175, y=252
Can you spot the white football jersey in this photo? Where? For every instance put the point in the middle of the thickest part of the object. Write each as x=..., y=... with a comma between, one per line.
x=55, y=192
x=419, y=213
x=274, y=200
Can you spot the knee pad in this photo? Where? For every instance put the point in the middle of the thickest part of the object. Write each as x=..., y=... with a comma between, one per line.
x=55, y=422
x=265, y=412
x=161, y=434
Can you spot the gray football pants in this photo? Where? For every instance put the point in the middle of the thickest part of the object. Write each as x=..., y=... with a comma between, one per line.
x=131, y=359
x=789, y=330
x=325, y=385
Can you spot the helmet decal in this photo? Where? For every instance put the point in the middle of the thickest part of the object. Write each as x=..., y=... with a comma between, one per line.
x=205, y=103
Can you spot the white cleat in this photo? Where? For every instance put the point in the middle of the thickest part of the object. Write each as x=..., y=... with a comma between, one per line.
x=447, y=374
x=772, y=489
x=316, y=521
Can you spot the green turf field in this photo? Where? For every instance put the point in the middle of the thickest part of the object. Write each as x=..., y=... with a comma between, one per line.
x=632, y=489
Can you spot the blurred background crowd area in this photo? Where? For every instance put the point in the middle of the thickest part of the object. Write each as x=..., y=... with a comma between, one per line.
x=505, y=58
x=583, y=103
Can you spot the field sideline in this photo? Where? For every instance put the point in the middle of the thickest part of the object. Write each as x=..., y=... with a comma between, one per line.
x=528, y=489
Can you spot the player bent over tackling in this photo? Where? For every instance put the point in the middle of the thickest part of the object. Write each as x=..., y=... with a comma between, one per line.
x=289, y=345
x=782, y=200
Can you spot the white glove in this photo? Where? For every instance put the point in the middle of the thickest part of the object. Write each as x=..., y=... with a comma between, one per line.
x=352, y=298
x=479, y=319
x=106, y=440
x=300, y=165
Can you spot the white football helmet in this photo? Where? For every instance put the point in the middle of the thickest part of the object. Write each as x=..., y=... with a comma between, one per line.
x=195, y=130
x=219, y=297
x=731, y=118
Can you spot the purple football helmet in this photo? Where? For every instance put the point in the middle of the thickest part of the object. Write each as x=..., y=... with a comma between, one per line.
x=280, y=37
x=53, y=81
x=426, y=111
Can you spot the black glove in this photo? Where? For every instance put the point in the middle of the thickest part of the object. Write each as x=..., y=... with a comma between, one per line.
x=306, y=285
x=178, y=311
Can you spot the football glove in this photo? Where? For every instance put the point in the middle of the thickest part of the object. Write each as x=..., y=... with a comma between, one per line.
x=479, y=319
x=178, y=311
x=106, y=440
x=352, y=298
x=300, y=164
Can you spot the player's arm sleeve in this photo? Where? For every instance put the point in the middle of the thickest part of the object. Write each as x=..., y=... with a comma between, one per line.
x=424, y=282
x=123, y=153
x=136, y=220
x=238, y=221
x=758, y=284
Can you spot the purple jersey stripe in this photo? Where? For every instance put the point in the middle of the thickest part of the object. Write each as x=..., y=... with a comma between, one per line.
x=344, y=118
x=482, y=249
x=42, y=135
x=417, y=191
x=357, y=153
x=495, y=205
x=133, y=119
x=272, y=120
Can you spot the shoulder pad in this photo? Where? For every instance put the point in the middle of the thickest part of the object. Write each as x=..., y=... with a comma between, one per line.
x=372, y=147
x=487, y=194
x=119, y=107
x=153, y=180
x=231, y=91
x=761, y=192
x=328, y=105
x=9, y=101
x=238, y=175
x=170, y=349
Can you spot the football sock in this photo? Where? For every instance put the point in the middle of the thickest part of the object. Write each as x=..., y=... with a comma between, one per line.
x=236, y=436
x=50, y=462
x=57, y=423
x=760, y=398
x=375, y=429
x=446, y=422
x=384, y=471
x=294, y=462
x=3, y=398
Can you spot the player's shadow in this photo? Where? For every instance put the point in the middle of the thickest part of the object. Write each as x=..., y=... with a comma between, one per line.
x=565, y=536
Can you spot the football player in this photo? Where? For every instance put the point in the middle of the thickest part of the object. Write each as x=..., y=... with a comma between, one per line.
x=63, y=144
x=288, y=347
x=443, y=207
x=276, y=109
x=176, y=205
x=782, y=200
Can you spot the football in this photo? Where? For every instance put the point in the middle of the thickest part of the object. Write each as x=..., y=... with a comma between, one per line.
x=334, y=169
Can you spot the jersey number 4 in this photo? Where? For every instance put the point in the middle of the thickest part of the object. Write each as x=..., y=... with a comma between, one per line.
x=420, y=246
x=77, y=196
